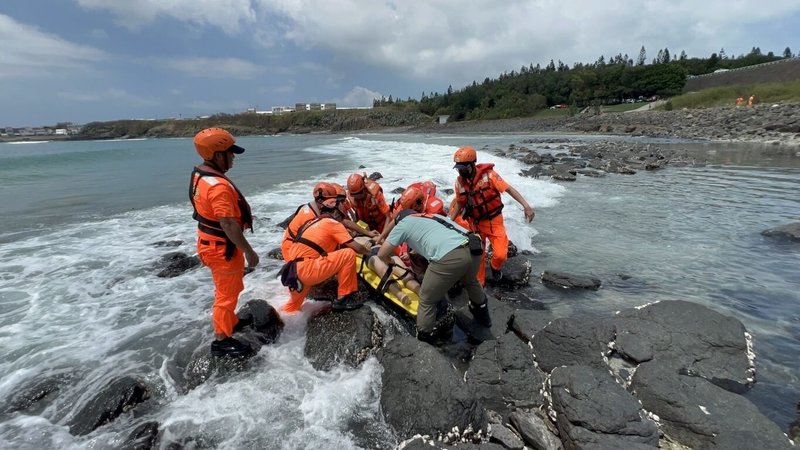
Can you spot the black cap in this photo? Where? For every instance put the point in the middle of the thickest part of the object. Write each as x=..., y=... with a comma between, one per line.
x=235, y=149
x=462, y=165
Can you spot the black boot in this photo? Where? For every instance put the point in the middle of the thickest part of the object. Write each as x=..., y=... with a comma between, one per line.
x=347, y=303
x=497, y=275
x=242, y=324
x=231, y=347
x=430, y=338
x=481, y=313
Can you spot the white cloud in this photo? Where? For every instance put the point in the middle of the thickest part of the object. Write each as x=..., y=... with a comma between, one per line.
x=29, y=52
x=220, y=68
x=227, y=15
x=121, y=98
x=358, y=96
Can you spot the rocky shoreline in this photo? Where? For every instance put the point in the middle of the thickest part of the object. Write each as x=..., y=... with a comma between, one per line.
x=777, y=124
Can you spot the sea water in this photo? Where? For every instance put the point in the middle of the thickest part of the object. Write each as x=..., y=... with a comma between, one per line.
x=79, y=296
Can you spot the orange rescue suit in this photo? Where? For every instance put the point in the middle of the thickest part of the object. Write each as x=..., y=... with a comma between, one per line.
x=214, y=196
x=372, y=209
x=314, y=267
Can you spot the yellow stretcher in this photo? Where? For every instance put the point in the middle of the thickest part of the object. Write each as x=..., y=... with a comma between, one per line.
x=372, y=279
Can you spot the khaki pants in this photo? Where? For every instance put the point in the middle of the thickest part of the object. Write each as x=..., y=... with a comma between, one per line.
x=458, y=265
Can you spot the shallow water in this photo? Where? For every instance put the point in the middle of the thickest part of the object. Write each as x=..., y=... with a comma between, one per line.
x=78, y=294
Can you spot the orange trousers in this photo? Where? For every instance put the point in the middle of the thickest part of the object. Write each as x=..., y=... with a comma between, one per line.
x=228, y=283
x=495, y=231
x=311, y=272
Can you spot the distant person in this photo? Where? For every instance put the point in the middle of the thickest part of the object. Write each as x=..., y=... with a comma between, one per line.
x=478, y=201
x=222, y=214
x=321, y=249
x=740, y=101
x=446, y=247
x=366, y=198
x=751, y=101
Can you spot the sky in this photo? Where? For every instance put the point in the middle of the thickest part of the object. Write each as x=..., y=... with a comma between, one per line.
x=96, y=60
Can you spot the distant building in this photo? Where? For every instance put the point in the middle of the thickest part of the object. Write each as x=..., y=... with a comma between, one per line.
x=315, y=106
x=61, y=131
x=329, y=106
x=277, y=110
x=443, y=119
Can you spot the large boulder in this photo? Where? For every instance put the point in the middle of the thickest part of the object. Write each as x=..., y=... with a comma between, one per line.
x=688, y=337
x=342, y=337
x=573, y=341
x=790, y=231
x=34, y=397
x=175, y=263
x=567, y=281
x=114, y=399
x=143, y=437
x=535, y=431
x=504, y=375
x=700, y=414
x=422, y=392
x=594, y=411
x=516, y=272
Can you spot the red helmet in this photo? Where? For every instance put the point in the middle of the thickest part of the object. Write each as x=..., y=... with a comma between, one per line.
x=465, y=155
x=412, y=198
x=213, y=140
x=355, y=184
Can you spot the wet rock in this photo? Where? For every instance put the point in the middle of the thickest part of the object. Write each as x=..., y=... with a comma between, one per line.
x=422, y=392
x=342, y=338
x=566, y=281
x=398, y=190
x=375, y=176
x=276, y=254
x=564, y=176
x=175, y=243
x=503, y=435
x=504, y=375
x=573, y=341
x=794, y=427
x=142, y=437
x=699, y=414
x=790, y=231
x=535, y=431
x=594, y=411
x=516, y=273
x=325, y=291
x=176, y=263
x=114, y=399
x=35, y=397
x=687, y=337
x=259, y=324
x=447, y=191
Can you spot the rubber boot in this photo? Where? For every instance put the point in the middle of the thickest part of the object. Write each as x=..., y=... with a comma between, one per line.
x=347, y=303
x=429, y=338
x=497, y=275
x=481, y=313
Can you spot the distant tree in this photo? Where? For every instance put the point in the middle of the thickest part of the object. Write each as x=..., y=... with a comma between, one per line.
x=722, y=54
x=787, y=52
x=390, y=101
x=683, y=56
x=666, y=57
x=755, y=51
x=642, y=57
x=450, y=89
x=551, y=66
x=659, y=58
x=712, y=63
x=601, y=61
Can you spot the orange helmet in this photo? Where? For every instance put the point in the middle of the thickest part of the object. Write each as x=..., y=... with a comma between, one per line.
x=213, y=140
x=412, y=198
x=324, y=190
x=464, y=156
x=355, y=184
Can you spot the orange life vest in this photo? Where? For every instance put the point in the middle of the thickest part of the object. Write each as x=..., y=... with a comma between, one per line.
x=369, y=210
x=480, y=199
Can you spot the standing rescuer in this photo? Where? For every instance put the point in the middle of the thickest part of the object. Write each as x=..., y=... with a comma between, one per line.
x=478, y=201
x=222, y=214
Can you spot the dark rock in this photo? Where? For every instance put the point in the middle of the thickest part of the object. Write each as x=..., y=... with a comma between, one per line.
x=512, y=250
x=276, y=254
x=502, y=435
x=790, y=231
x=398, y=190
x=176, y=264
x=594, y=411
x=534, y=431
x=567, y=281
x=573, y=341
x=516, y=272
x=564, y=176
x=375, y=176
x=504, y=375
x=699, y=414
x=285, y=222
x=342, y=338
x=142, y=437
x=113, y=400
x=532, y=158
x=35, y=397
x=175, y=243
x=686, y=336
x=259, y=324
x=794, y=427
x=362, y=166
x=327, y=290
x=447, y=191
x=422, y=392
x=591, y=173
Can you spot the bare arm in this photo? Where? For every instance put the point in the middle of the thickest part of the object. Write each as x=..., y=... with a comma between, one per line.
x=454, y=211
x=359, y=248
x=386, y=251
x=529, y=213
x=386, y=230
x=233, y=230
x=352, y=226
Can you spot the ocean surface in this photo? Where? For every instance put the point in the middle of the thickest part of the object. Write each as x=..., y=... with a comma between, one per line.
x=79, y=296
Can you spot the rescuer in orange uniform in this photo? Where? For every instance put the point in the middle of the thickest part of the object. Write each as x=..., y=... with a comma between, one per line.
x=478, y=201
x=222, y=214
x=321, y=249
x=366, y=198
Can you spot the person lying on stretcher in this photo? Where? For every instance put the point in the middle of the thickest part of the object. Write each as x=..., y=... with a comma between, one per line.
x=407, y=268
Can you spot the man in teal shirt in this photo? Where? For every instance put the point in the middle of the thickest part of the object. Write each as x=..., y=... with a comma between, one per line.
x=445, y=245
